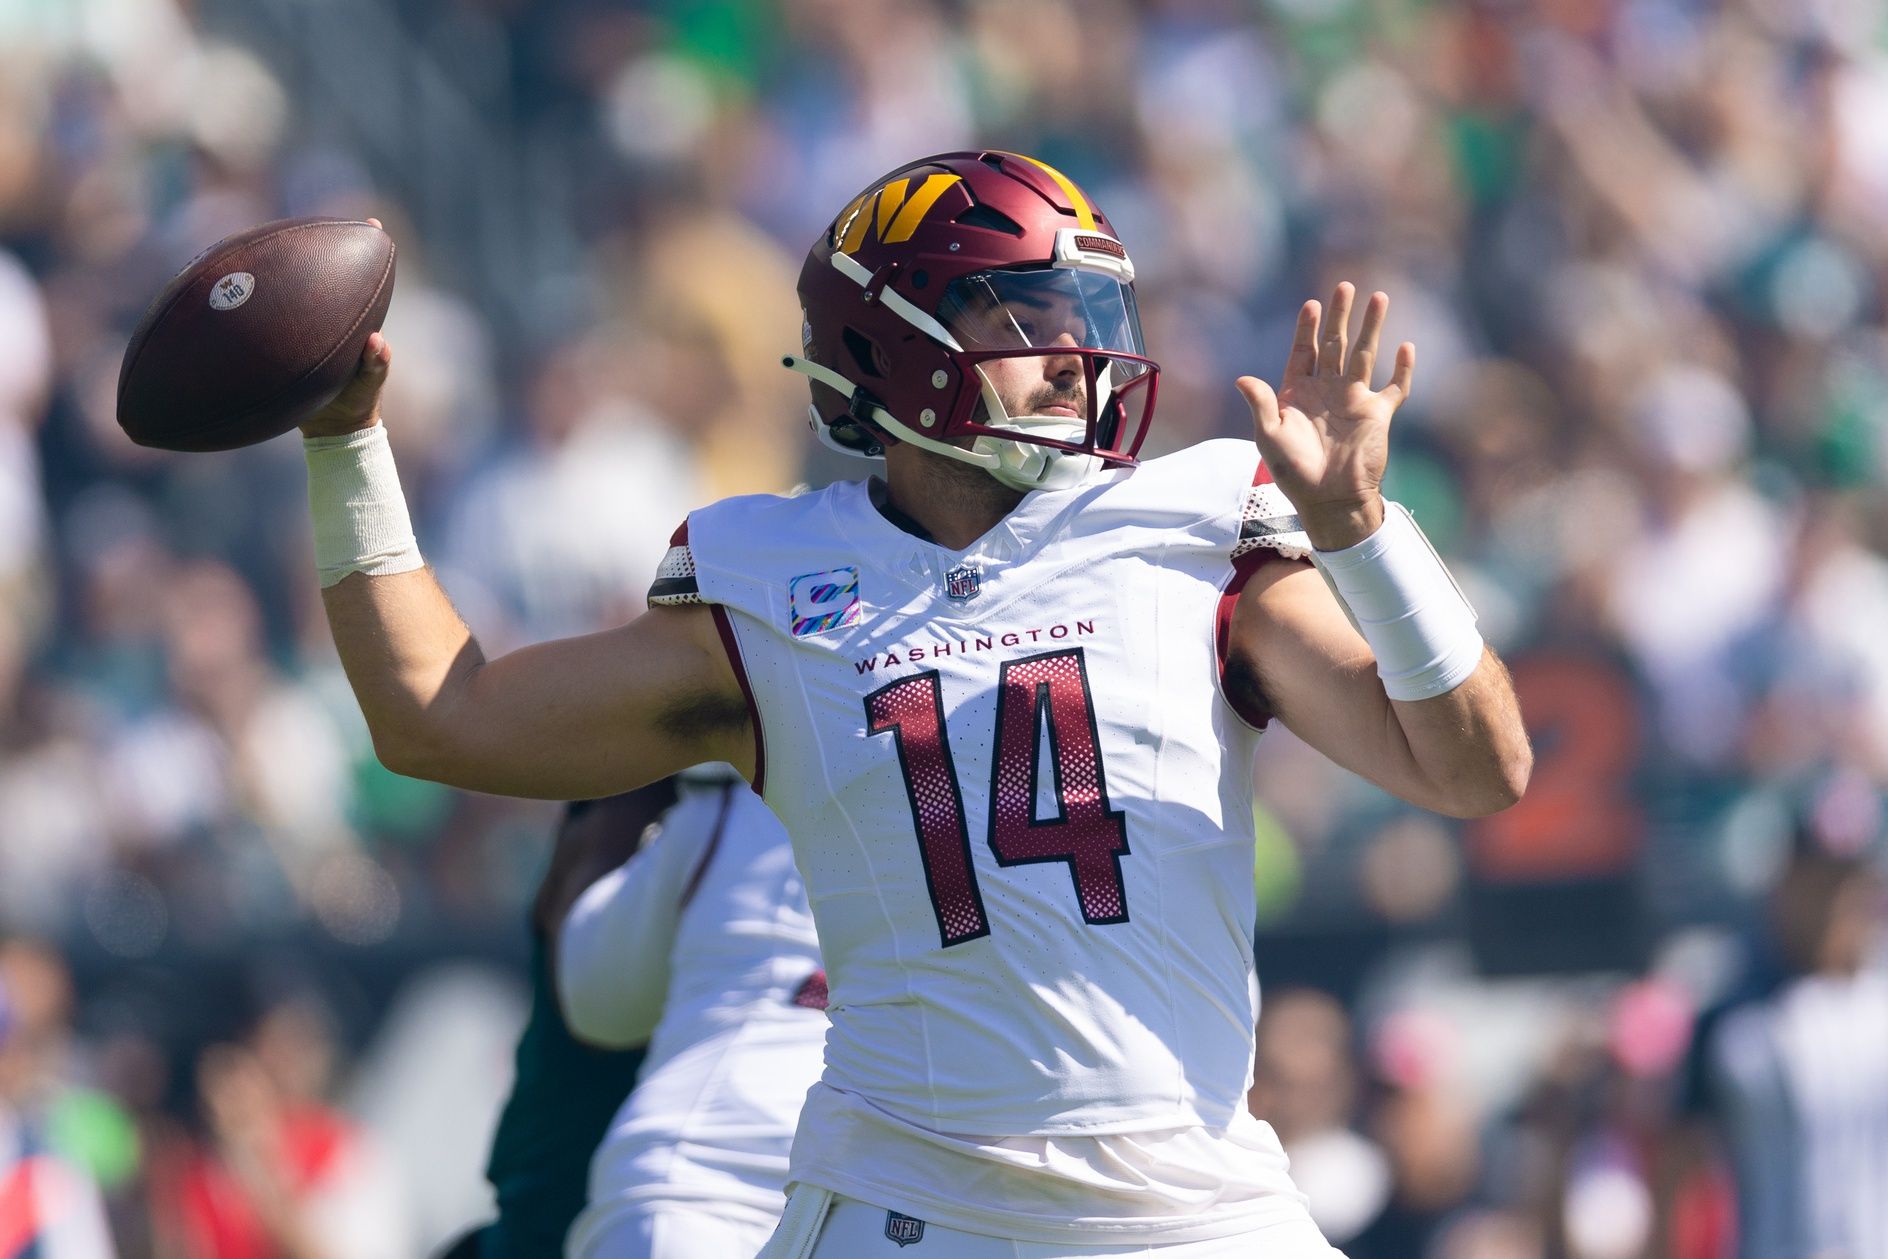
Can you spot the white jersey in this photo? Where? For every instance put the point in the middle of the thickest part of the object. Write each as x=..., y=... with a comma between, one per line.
x=1022, y=806
x=701, y=945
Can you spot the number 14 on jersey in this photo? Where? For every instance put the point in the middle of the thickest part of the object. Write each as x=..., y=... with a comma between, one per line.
x=1037, y=692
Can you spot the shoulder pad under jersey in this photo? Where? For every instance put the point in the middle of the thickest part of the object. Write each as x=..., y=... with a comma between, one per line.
x=1227, y=475
x=1267, y=519
x=675, y=582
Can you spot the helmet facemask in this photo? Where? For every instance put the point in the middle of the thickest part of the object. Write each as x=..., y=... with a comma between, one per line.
x=1065, y=345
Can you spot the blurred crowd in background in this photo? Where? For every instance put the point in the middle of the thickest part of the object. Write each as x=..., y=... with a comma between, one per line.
x=1640, y=247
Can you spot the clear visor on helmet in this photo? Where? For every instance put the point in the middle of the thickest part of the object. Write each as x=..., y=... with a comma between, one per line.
x=1060, y=357
x=1014, y=310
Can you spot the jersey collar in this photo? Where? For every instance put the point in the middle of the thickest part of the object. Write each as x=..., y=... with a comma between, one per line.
x=892, y=543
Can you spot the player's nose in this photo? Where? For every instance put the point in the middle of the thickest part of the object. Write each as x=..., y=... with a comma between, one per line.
x=1058, y=366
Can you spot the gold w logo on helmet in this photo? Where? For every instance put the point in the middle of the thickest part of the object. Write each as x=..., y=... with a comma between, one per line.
x=891, y=212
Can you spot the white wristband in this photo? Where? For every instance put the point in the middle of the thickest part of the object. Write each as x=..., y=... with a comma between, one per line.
x=1402, y=599
x=361, y=522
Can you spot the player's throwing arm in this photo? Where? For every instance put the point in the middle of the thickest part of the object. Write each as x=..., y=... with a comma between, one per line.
x=574, y=719
x=1391, y=680
x=277, y=328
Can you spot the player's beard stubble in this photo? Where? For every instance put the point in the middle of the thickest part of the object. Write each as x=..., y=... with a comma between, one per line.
x=969, y=487
x=972, y=487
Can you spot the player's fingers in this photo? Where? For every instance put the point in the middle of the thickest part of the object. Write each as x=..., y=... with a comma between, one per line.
x=1397, y=391
x=1262, y=401
x=377, y=223
x=1363, y=355
x=1303, y=359
x=357, y=406
x=1336, y=331
x=370, y=376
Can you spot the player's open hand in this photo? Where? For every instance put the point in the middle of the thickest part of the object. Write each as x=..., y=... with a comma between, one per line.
x=1326, y=433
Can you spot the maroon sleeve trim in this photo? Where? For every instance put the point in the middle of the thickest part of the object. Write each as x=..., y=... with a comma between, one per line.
x=732, y=646
x=1242, y=569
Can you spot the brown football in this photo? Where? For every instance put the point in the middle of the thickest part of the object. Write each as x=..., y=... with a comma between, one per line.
x=256, y=335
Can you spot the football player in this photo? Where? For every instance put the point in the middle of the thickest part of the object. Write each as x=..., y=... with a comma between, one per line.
x=1005, y=701
x=686, y=968
x=563, y=1091
x=702, y=947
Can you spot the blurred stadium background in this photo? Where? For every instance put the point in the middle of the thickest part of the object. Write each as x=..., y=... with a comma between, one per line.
x=1640, y=245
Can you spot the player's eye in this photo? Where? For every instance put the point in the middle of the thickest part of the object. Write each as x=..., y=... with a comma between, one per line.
x=1043, y=327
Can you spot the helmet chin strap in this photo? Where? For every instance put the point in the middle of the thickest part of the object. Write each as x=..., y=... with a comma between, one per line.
x=1025, y=465
x=1019, y=465
x=883, y=418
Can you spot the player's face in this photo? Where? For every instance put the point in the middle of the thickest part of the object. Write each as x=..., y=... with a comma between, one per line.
x=1045, y=384
x=1049, y=384
x=1053, y=346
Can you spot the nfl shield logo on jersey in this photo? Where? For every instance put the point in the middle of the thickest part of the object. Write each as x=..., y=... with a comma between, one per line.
x=903, y=1229
x=963, y=582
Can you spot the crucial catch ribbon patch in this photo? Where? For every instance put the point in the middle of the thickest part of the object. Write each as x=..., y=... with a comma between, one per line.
x=819, y=603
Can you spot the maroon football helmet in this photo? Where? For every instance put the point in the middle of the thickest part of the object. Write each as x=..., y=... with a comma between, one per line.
x=940, y=276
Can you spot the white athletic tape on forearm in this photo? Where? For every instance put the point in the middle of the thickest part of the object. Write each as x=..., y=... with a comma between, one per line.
x=361, y=522
x=1408, y=608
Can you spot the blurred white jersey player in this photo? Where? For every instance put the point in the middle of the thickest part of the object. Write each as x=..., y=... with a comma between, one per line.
x=702, y=945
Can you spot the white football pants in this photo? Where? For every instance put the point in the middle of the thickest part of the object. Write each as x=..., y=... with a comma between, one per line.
x=821, y=1225
x=666, y=1230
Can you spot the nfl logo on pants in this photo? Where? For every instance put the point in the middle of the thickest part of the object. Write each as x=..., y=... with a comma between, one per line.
x=903, y=1229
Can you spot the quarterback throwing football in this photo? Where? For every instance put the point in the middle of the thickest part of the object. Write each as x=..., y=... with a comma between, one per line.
x=1005, y=701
